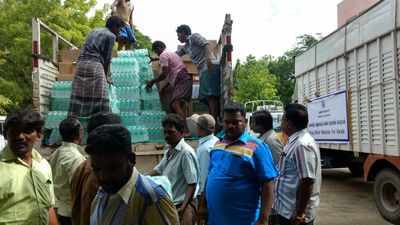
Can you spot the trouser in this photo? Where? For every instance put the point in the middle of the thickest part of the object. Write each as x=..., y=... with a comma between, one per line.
x=188, y=216
x=64, y=220
x=280, y=220
x=202, y=212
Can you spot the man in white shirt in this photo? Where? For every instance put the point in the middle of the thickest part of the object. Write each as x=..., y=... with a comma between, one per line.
x=203, y=126
x=262, y=122
x=297, y=187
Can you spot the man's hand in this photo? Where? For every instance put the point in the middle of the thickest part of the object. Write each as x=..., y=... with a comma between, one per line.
x=181, y=209
x=149, y=85
x=109, y=80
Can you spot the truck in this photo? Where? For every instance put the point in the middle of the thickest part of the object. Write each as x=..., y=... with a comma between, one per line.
x=349, y=82
x=46, y=71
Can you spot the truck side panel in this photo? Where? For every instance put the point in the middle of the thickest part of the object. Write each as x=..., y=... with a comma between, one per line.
x=43, y=81
x=362, y=58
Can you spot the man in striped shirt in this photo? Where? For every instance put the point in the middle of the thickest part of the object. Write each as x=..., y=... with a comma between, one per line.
x=297, y=187
x=239, y=186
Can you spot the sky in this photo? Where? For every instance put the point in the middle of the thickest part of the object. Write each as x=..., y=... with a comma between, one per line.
x=260, y=27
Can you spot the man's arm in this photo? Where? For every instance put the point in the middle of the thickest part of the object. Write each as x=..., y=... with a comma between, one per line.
x=305, y=191
x=161, y=212
x=108, y=47
x=209, y=57
x=188, y=197
x=307, y=163
x=164, y=72
x=266, y=202
x=52, y=217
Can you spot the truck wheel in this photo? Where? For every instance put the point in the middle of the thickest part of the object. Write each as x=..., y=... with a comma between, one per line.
x=387, y=195
x=356, y=170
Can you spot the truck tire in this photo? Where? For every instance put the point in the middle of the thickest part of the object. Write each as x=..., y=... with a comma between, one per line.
x=356, y=170
x=387, y=195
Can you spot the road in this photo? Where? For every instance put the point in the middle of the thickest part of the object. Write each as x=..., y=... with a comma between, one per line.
x=347, y=201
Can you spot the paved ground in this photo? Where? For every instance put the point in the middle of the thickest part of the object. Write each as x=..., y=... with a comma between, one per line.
x=347, y=201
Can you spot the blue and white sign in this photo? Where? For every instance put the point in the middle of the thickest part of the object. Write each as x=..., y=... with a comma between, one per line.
x=328, y=118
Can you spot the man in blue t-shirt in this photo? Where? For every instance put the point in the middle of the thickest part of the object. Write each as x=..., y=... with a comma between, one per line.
x=239, y=187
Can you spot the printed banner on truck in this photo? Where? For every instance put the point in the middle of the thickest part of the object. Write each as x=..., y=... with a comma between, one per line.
x=328, y=118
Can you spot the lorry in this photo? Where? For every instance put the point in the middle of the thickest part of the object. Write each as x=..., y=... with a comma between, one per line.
x=46, y=70
x=349, y=82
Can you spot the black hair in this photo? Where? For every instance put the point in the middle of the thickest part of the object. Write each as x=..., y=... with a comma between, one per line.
x=110, y=138
x=184, y=29
x=174, y=120
x=263, y=118
x=70, y=129
x=24, y=119
x=102, y=118
x=157, y=45
x=297, y=114
x=114, y=21
x=234, y=107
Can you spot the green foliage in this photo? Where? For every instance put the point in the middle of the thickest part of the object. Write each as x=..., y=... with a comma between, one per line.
x=283, y=67
x=68, y=18
x=253, y=81
x=269, y=78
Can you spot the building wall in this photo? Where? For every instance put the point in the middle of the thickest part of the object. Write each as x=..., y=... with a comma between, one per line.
x=350, y=8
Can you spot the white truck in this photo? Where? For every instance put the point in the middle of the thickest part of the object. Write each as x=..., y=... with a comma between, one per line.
x=350, y=84
x=45, y=72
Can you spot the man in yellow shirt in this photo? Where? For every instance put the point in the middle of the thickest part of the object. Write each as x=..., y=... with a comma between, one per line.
x=64, y=162
x=26, y=193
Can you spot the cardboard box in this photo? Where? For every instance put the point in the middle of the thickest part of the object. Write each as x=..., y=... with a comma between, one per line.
x=66, y=68
x=69, y=55
x=191, y=68
x=186, y=58
x=65, y=77
x=212, y=46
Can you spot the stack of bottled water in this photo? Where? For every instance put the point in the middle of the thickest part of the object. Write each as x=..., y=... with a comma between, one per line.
x=54, y=119
x=61, y=95
x=140, y=109
x=138, y=134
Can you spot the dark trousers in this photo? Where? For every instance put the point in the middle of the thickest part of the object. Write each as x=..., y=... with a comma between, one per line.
x=64, y=220
x=280, y=220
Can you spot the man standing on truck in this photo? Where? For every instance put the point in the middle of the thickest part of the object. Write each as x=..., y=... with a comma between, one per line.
x=298, y=186
x=26, y=183
x=64, y=162
x=197, y=48
x=262, y=122
x=173, y=69
x=126, y=37
x=241, y=175
x=180, y=165
x=89, y=88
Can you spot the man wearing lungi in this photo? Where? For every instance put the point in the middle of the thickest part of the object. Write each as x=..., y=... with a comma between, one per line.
x=173, y=69
x=89, y=88
x=196, y=46
x=126, y=37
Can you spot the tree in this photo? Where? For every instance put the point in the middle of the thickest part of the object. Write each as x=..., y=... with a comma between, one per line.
x=283, y=66
x=67, y=17
x=253, y=81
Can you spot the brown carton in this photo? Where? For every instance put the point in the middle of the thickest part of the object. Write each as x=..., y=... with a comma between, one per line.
x=65, y=77
x=69, y=55
x=66, y=68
